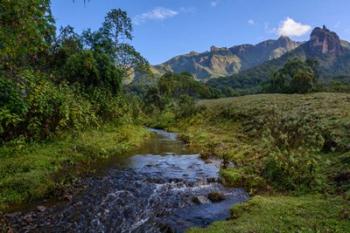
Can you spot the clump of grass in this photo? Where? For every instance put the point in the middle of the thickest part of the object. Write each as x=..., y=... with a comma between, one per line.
x=32, y=171
x=266, y=214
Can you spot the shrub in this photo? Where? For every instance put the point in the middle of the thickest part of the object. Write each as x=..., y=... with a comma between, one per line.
x=12, y=108
x=53, y=108
x=291, y=170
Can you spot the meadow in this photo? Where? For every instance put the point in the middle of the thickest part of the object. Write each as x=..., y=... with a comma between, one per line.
x=291, y=152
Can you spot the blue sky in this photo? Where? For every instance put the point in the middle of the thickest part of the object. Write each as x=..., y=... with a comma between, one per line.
x=166, y=28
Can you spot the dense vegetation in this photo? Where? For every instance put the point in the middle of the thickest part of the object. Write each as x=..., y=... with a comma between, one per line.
x=171, y=96
x=59, y=82
x=296, y=76
x=57, y=93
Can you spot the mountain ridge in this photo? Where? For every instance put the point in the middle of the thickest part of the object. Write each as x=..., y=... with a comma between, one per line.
x=325, y=46
x=223, y=61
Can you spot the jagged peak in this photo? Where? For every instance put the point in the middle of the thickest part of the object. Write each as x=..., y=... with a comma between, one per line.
x=217, y=49
x=325, y=41
x=193, y=53
x=284, y=38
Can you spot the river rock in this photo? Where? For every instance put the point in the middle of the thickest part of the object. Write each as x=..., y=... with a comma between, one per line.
x=216, y=197
x=28, y=218
x=67, y=197
x=200, y=200
x=212, y=180
x=41, y=208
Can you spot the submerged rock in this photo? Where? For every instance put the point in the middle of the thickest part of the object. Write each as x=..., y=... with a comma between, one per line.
x=200, y=200
x=216, y=197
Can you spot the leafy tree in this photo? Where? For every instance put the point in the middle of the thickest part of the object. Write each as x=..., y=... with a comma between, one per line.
x=49, y=83
x=295, y=77
x=82, y=68
x=26, y=32
x=67, y=43
x=302, y=81
x=112, y=39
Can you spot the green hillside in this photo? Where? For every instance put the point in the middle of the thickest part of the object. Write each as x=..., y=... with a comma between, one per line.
x=292, y=150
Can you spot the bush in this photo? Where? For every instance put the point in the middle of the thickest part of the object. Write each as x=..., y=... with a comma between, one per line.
x=12, y=108
x=296, y=76
x=42, y=108
x=293, y=171
x=111, y=107
x=93, y=70
x=53, y=108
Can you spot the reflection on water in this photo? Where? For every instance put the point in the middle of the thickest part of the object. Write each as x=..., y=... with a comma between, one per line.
x=152, y=191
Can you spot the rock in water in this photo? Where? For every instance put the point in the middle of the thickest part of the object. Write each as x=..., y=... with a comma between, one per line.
x=216, y=197
x=200, y=200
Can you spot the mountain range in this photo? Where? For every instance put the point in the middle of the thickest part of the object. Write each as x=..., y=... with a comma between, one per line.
x=220, y=62
x=324, y=46
x=248, y=65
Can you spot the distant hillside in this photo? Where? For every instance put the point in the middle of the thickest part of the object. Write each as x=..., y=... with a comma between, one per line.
x=220, y=62
x=324, y=46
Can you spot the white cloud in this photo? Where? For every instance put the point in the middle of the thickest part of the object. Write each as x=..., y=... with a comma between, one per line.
x=158, y=13
x=289, y=27
x=214, y=3
x=251, y=22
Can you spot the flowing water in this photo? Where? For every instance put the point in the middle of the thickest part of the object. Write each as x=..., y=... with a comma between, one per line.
x=162, y=188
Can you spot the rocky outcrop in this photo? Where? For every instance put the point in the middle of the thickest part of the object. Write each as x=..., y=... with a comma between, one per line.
x=324, y=41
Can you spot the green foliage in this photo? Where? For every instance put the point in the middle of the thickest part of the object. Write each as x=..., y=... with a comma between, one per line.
x=67, y=44
x=12, y=107
x=295, y=77
x=73, y=81
x=175, y=85
x=186, y=107
x=93, y=70
x=82, y=68
x=40, y=108
x=26, y=31
x=293, y=171
x=53, y=108
x=109, y=40
x=173, y=97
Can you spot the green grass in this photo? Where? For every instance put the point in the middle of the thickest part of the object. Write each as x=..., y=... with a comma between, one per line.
x=288, y=148
x=33, y=171
x=286, y=214
x=276, y=141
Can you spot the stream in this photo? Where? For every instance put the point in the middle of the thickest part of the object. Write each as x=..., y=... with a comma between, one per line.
x=162, y=187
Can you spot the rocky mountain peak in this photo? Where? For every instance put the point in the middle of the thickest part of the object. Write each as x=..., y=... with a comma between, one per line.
x=214, y=49
x=286, y=42
x=325, y=41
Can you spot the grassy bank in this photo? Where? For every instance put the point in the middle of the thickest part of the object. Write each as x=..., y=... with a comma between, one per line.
x=33, y=171
x=285, y=214
x=287, y=148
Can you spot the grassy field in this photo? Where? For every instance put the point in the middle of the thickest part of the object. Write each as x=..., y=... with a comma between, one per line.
x=33, y=171
x=287, y=148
